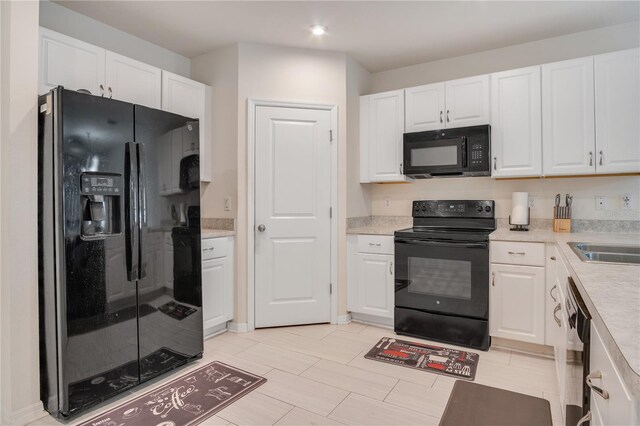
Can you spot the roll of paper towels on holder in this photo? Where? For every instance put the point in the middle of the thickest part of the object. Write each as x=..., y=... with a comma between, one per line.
x=520, y=208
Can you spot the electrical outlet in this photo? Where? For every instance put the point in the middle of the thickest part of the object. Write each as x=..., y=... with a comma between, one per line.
x=387, y=203
x=601, y=202
x=227, y=204
x=532, y=203
x=626, y=201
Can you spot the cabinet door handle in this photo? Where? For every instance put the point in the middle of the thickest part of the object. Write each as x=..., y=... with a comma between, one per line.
x=110, y=92
x=555, y=311
x=374, y=244
x=601, y=155
x=519, y=253
x=591, y=158
x=391, y=268
x=493, y=279
x=400, y=168
x=552, y=258
x=495, y=163
x=208, y=249
x=447, y=116
x=596, y=375
x=101, y=90
x=551, y=293
x=585, y=419
x=441, y=116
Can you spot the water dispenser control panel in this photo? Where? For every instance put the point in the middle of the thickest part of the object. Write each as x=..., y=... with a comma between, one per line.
x=96, y=184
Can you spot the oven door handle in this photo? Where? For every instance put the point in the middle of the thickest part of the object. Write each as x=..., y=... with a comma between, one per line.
x=461, y=244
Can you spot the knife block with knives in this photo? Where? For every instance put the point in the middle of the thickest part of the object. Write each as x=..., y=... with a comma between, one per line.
x=562, y=214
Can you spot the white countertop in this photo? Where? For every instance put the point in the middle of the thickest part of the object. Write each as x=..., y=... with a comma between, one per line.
x=611, y=293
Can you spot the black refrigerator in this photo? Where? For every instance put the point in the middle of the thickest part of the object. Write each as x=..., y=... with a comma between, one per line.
x=119, y=257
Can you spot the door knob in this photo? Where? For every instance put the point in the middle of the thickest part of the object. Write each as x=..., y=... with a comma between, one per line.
x=262, y=228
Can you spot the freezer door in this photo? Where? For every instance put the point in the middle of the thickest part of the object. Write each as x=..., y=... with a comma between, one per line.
x=97, y=302
x=170, y=259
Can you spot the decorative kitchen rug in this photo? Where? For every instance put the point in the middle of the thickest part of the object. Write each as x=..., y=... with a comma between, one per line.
x=480, y=405
x=186, y=401
x=435, y=359
x=176, y=310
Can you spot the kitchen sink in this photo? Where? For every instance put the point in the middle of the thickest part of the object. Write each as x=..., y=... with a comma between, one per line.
x=607, y=253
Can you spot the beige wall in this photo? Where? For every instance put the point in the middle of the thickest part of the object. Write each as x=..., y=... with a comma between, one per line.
x=219, y=69
x=294, y=75
x=607, y=39
x=19, y=387
x=358, y=197
x=542, y=190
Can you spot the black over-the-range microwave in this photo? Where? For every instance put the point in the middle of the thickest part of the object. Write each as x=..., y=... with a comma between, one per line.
x=465, y=151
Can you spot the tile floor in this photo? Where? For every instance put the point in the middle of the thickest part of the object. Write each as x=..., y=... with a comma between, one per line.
x=317, y=375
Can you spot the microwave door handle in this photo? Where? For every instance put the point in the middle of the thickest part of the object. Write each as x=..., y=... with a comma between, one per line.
x=464, y=153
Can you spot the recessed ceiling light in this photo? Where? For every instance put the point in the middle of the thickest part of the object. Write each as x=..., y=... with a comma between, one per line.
x=318, y=30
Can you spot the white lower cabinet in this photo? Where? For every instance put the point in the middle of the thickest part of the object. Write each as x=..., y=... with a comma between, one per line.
x=517, y=292
x=370, y=282
x=611, y=402
x=217, y=282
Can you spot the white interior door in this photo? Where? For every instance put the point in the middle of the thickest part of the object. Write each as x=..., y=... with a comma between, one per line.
x=292, y=216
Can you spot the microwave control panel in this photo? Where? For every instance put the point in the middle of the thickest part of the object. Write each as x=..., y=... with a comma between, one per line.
x=478, y=154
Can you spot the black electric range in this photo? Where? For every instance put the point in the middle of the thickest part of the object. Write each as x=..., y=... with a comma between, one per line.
x=442, y=272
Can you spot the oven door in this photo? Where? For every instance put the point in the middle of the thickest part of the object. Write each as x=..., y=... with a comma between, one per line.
x=434, y=157
x=441, y=276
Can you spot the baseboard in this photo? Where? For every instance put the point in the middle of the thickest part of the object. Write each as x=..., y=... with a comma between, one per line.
x=372, y=320
x=214, y=331
x=238, y=327
x=25, y=415
x=344, y=319
x=522, y=347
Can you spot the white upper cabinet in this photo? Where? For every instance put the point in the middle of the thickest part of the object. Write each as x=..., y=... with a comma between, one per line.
x=74, y=64
x=424, y=108
x=568, y=124
x=516, y=127
x=133, y=81
x=190, y=98
x=617, y=99
x=467, y=101
x=381, y=136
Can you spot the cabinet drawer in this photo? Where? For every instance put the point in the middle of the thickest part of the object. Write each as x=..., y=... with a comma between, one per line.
x=619, y=408
x=213, y=248
x=377, y=244
x=515, y=253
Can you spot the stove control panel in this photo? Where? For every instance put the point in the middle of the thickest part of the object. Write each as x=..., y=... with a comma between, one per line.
x=454, y=208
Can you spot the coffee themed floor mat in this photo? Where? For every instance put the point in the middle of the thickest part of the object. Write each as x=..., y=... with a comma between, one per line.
x=435, y=359
x=185, y=401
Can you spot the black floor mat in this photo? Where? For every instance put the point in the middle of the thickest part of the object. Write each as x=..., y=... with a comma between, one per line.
x=86, y=325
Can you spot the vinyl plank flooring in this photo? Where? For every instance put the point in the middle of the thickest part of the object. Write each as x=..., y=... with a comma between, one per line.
x=317, y=331
x=241, y=363
x=300, y=417
x=351, y=379
x=396, y=371
x=302, y=392
x=327, y=348
x=425, y=399
x=360, y=410
x=230, y=343
x=282, y=359
x=255, y=409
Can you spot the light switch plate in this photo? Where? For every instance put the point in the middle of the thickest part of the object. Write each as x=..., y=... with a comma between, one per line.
x=227, y=204
x=601, y=202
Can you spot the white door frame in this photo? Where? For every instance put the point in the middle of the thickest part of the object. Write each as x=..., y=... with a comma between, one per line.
x=252, y=104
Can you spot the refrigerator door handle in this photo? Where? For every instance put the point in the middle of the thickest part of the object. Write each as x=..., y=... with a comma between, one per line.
x=142, y=189
x=131, y=211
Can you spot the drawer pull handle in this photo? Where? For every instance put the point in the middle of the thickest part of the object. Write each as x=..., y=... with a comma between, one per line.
x=209, y=249
x=519, y=253
x=585, y=419
x=551, y=293
x=596, y=375
x=555, y=311
x=374, y=244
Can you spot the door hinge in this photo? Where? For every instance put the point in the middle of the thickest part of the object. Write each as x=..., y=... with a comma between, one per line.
x=330, y=288
x=330, y=135
x=330, y=212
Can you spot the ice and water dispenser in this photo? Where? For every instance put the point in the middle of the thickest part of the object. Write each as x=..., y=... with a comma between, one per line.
x=100, y=198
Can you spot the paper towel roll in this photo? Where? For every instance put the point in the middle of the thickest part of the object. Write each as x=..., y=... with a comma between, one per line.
x=520, y=208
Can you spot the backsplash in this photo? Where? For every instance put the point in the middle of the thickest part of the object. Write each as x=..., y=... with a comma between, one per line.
x=219, y=223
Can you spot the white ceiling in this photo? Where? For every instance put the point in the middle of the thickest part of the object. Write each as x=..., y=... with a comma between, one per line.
x=378, y=34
